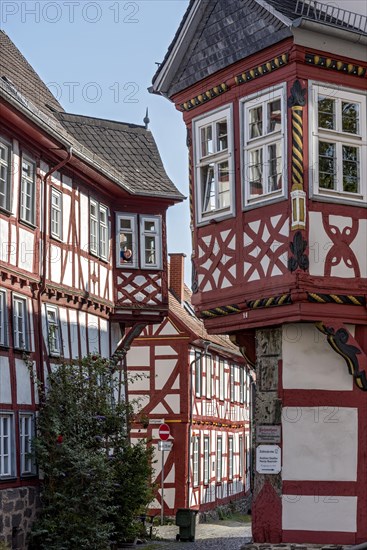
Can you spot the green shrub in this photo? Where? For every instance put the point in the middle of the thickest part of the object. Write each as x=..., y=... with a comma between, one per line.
x=95, y=482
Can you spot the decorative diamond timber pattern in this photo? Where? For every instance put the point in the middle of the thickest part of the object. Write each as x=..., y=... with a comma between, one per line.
x=217, y=261
x=266, y=247
x=142, y=289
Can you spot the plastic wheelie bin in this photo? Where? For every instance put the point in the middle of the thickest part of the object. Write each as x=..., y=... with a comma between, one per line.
x=186, y=521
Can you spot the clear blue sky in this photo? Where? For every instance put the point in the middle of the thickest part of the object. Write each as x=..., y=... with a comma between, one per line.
x=98, y=58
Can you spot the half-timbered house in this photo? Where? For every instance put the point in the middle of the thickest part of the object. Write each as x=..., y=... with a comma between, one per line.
x=201, y=387
x=273, y=94
x=82, y=254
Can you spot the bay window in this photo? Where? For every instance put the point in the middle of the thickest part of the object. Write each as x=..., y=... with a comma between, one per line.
x=138, y=248
x=338, y=143
x=264, y=149
x=214, y=165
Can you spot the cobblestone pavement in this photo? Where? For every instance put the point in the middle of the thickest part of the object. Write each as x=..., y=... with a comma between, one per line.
x=222, y=535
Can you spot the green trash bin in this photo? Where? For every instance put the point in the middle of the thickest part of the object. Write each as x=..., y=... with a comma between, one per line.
x=186, y=521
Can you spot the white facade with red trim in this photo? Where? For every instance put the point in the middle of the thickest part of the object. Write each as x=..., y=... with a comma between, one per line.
x=204, y=399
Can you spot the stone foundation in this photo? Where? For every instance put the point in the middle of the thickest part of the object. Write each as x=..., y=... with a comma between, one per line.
x=242, y=505
x=18, y=510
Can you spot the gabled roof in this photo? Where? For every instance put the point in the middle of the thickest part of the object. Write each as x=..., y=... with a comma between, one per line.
x=195, y=326
x=125, y=153
x=129, y=148
x=214, y=34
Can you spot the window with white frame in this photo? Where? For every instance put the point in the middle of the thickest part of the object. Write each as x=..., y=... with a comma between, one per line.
x=230, y=458
x=3, y=319
x=5, y=174
x=219, y=466
x=242, y=384
x=198, y=373
x=206, y=473
x=53, y=330
x=28, y=191
x=98, y=238
x=221, y=380
x=209, y=375
x=231, y=382
x=214, y=164
x=338, y=143
x=240, y=442
x=7, y=455
x=150, y=242
x=20, y=323
x=195, y=460
x=26, y=434
x=56, y=213
x=264, y=127
x=126, y=240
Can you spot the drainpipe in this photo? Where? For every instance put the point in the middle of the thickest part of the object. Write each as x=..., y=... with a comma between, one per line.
x=43, y=264
x=44, y=219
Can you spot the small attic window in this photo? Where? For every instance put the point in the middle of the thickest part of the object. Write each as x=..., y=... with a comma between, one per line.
x=188, y=307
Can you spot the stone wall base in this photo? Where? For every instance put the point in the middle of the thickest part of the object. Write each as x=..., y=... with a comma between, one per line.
x=242, y=505
x=18, y=511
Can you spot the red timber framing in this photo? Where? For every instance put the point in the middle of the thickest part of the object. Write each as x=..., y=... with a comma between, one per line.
x=203, y=398
x=286, y=277
x=61, y=274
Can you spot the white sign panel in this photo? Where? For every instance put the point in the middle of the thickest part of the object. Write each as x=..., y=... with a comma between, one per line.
x=268, y=459
x=156, y=420
x=164, y=445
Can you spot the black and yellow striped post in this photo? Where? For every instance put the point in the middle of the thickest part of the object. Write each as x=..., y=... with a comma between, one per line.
x=296, y=102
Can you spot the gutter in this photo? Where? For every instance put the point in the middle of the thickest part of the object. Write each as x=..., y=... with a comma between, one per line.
x=354, y=36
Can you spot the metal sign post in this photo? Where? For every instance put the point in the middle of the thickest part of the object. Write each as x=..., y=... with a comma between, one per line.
x=163, y=445
x=162, y=487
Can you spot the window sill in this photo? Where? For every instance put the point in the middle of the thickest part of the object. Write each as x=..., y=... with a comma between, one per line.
x=215, y=217
x=30, y=225
x=340, y=198
x=6, y=479
x=267, y=199
x=56, y=238
x=5, y=211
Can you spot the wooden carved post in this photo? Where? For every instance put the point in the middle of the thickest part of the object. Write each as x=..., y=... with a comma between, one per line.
x=296, y=102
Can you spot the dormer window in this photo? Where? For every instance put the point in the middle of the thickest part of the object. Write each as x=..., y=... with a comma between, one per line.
x=214, y=170
x=264, y=167
x=338, y=143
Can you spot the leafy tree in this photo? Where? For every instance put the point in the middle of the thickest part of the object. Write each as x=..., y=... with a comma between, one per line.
x=94, y=482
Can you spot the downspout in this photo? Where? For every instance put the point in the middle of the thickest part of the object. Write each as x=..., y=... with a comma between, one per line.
x=42, y=283
x=44, y=219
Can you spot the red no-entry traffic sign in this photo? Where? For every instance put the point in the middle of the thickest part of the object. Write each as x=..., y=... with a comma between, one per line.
x=164, y=432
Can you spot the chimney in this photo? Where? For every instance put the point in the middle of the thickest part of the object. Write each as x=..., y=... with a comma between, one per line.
x=176, y=275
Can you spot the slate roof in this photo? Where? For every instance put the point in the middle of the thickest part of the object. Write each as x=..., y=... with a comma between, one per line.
x=196, y=325
x=231, y=30
x=17, y=70
x=130, y=149
x=127, y=152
